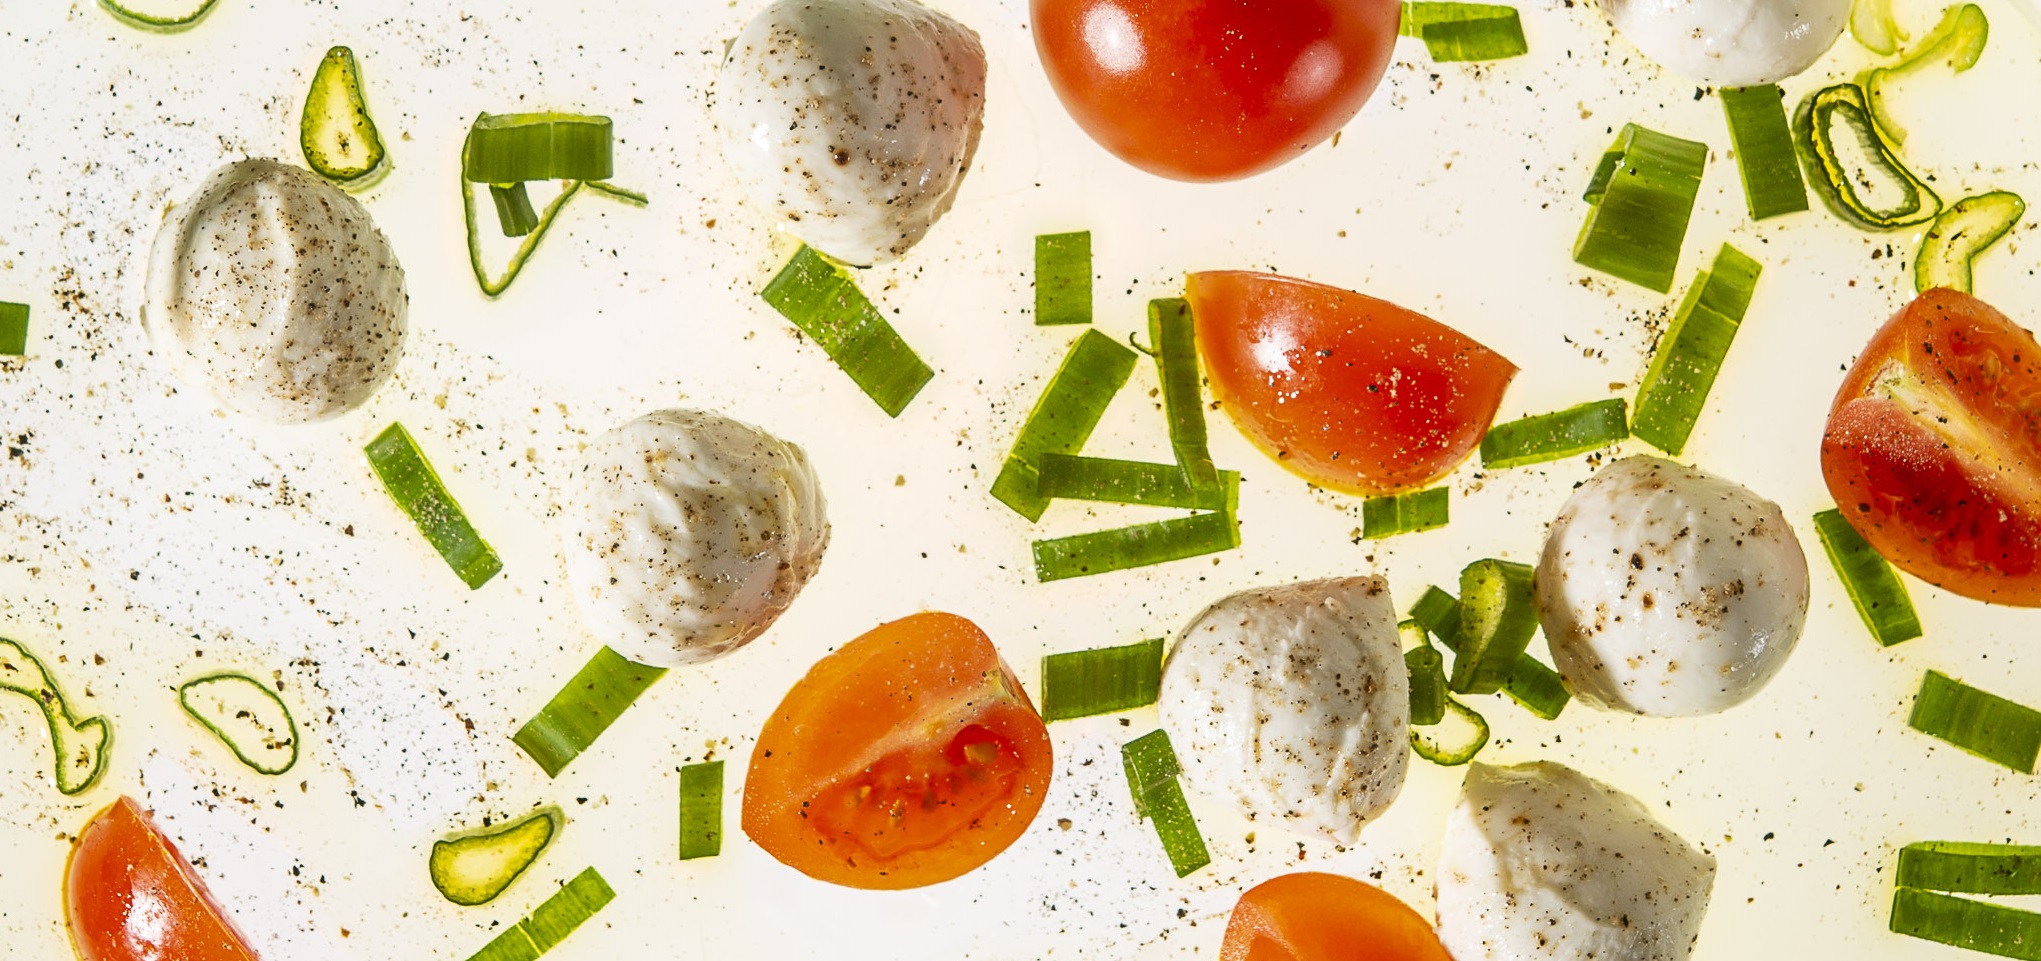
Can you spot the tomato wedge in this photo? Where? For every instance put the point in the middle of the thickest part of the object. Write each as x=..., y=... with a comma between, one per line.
x=1349, y=392
x=129, y=896
x=1310, y=916
x=908, y=757
x=1933, y=448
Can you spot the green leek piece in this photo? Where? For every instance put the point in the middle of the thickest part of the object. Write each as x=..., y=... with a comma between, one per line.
x=1152, y=770
x=1427, y=669
x=1438, y=613
x=416, y=488
x=1641, y=204
x=13, y=329
x=1093, y=371
x=1140, y=545
x=701, y=810
x=1965, y=867
x=598, y=694
x=1101, y=681
x=1170, y=328
x=551, y=922
x=1959, y=235
x=1404, y=513
x=518, y=258
x=1531, y=684
x=1448, y=751
x=1465, y=31
x=1546, y=437
x=819, y=296
x=508, y=148
x=1814, y=127
x=1690, y=354
x=1876, y=30
x=1076, y=477
x=160, y=22
x=1772, y=184
x=1063, y=278
x=514, y=211
x=1967, y=923
x=1874, y=588
x=1497, y=619
x=1986, y=725
x=248, y=717
x=79, y=747
x=339, y=140
x=1956, y=43
x=473, y=868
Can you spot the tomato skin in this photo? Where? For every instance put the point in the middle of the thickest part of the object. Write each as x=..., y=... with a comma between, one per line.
x=1349, y=392
x=1309, y=916
x=1933, y=448
x=129, y=896
x=1207, y=90
x=909, y=756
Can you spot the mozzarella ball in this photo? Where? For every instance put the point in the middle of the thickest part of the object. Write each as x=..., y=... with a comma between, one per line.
x=850, y=123
x=1735, y=43
x=274, y=292
x=1541, y=862
x=1668, y=591
x=688, y=533
x=1294, y=703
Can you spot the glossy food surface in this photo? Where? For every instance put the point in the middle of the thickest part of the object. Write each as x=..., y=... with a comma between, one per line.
x=129, y=896
x=1314, y=916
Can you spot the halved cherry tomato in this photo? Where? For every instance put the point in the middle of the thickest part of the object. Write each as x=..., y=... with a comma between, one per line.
x=1351, y=393
x=910, y=756
x=129, y=896
x=1213, y=89
x=1326, y=917
x=1933, y=448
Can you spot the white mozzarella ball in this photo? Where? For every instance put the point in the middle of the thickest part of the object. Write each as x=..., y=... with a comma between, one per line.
x=1735, y=43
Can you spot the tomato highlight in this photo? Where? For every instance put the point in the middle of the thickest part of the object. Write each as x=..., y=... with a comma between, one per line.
x=1310, y=916
x=130, y=896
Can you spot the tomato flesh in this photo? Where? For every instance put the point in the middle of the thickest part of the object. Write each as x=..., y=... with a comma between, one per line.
x=908, y=757
x=1311, y=916
x=129, y=896
x=1933, y=448
x=1213, y=89
x=1350, y=392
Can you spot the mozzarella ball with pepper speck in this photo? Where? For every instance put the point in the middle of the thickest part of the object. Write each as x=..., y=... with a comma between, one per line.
x=1542, y=863
x=1293, y=702
x=1668, y=591
x=1734, y=43
x=688, y=533
x=850, y=123
x=273, y=291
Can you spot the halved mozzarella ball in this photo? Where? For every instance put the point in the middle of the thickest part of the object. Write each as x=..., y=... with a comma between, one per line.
x=1735, y=43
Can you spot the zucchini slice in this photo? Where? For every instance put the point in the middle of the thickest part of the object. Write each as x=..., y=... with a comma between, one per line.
x=1959, y=235
x=340, y=141
x=474, y=868
x=248, y=717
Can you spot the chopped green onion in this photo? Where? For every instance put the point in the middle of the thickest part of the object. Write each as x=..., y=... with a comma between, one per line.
x=1101, y=681
x=1875, y=590
x=248, y=717
x=584, y=708
x=1986, y=725
x=1176, y=364
x=1152, y=768
x=474, y=868
x=821, y=299
x=1093, y=371
x=1427, y=669
x=524, y=251
x=1452, y=752
x=552, y=921
x=339, y=140
x=1772, y=184
x=79, y=749
x=1872, y=23
x=508, y=148
x=162, y=23
x=1639, y=219
x=1965, y=867
x=496, y=287
x=1465, y=31
x=701, y=810
x=1403, y=513
x=1139, y=545
x=1545, y=437
x=1076, y=477
x=1956, y=43
x=1150, y=762
x=1814, y=127
x=1959, y=235
x=514, y=209
x=1690, y=354
x=1497, y=619
x=1439, y=613
x=13, y=329
x=1966, y=923
x=416, y=488
x=1538, y=688
x=1063, y=278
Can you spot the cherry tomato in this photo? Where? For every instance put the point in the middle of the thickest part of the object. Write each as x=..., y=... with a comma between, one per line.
x=1325, y=917
x=1933, y=448
x=910, y=756
x=1351, y=393
x=1213, y=89
x=129, y=896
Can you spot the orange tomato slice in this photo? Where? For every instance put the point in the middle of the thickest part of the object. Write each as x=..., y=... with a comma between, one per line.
x=129, y=896
x=1310, y=916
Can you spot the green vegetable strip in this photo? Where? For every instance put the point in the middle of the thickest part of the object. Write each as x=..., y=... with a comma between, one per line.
x=1101, y=681
x=1427, y=669
x=1439, y=613
x=416, y=488
x=1150, y=762
x=570, y=722
x=512, y=148
x=1546, y=437
x=1964, y=923
x=1531, y=684
x=1639, y=220
x=512, y=945
x=339, y=140
x=1063, y=417
x=159, y=24
x=1403, y=513
x=1063, y=278
x=1872, y=23
x=78, y=749
x=1497, y=619
x=496, y=287
x=1176, y=364
x=1077, y=477
x=514, y=211
x=1465, y=31
x=821, y=299
x=1956, y=42
x=1814, y=129
x=13, y=329
x=1690, y=354
x=1876, y=591
x=1140, y=545
x=1437, y=750
x=1961, y=233
x=1986, y=725
x=1968, y=868
x=1772, y=184
x=1152, y=768
x=701, y=810
x=552, y=921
